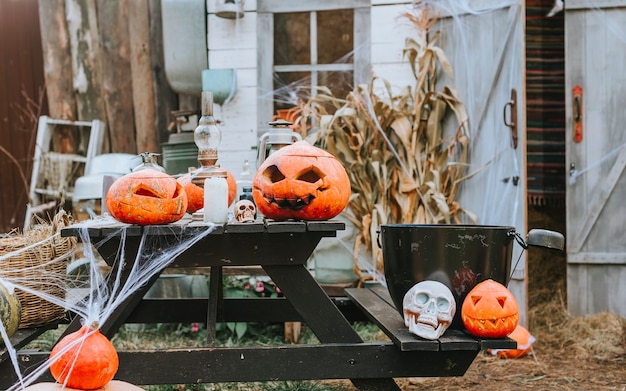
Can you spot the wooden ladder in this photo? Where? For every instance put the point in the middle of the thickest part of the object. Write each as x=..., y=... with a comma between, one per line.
x=46, y=190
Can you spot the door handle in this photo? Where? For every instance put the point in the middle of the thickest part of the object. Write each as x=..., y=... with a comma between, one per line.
x=512, y=123
x=577, y=113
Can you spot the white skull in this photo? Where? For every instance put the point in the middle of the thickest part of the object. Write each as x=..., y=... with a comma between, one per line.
x=429, y=308
x=244, y=211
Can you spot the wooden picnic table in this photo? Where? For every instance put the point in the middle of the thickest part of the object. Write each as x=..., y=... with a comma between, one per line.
x=281, y=249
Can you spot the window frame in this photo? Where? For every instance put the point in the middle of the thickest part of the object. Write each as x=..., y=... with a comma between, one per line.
x=265, y=46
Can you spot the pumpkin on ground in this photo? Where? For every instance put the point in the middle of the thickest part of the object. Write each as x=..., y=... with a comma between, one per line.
x=84, y=359
x=303, y=182
x=113, y=385
x=146, y=197
x=490, y=310
x=10, y=310
x=524, y=343
x=195, y=193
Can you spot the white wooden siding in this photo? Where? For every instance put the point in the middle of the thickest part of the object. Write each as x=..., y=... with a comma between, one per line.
x=595, y=47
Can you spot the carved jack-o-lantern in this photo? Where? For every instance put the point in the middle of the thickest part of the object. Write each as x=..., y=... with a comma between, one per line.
x=146, y=197
x=301, y=182
x=195, y=193
x=490, y=310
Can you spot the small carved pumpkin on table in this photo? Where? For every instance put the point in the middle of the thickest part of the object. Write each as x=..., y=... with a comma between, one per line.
x=302, y=182
x=490, y=310
x=146, y=197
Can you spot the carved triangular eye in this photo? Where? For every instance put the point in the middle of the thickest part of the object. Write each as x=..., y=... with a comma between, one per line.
x=311, y=175
x=273, y=174
x=501, y=301
x=476, y=299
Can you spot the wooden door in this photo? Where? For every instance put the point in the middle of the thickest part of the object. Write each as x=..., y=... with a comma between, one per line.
x=595, y=47
x=484, y=41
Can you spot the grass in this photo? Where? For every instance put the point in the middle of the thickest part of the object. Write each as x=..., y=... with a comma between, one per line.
x=159, y=336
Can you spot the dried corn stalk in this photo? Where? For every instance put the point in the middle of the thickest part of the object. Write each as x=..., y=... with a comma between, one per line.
x=401, y=166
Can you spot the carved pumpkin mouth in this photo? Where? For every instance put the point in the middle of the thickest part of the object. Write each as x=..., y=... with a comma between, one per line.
x=291, y=203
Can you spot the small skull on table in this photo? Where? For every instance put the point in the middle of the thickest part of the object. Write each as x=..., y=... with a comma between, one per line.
x=244, y=211
x=428, y=308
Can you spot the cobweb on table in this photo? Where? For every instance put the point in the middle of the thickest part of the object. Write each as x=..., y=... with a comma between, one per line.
x=95, y=305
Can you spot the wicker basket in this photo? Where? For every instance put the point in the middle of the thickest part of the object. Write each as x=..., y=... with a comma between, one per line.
x=38, y=260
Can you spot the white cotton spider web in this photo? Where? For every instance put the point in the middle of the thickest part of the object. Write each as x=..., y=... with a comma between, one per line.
x=95, y=305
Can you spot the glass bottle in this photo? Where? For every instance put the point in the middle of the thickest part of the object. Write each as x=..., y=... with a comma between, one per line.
x=245, y=178
x=210, y=176
x=148, y=160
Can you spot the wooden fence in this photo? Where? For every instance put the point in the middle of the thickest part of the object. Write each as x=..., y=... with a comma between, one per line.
x=79, y=60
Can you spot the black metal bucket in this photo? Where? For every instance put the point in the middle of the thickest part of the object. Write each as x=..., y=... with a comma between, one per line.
x=459, y=256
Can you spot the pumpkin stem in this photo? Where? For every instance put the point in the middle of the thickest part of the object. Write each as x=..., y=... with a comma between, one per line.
x=93, y=325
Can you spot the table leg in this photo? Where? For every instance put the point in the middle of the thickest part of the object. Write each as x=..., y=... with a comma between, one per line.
x=118, y=317
x=320, y=314
x=215, y=297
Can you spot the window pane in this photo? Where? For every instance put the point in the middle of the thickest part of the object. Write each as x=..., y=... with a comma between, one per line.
x=340, y=83
x=292, y=38
x=289, y=87
x=334, y=36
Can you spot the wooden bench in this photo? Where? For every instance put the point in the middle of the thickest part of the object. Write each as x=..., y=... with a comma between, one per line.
x=376, y=303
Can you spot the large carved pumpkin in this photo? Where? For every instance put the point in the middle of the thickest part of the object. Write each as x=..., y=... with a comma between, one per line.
x=84, y=359
x=301, y=182
x=490, y=310
x=146, y=197
x=195, y=193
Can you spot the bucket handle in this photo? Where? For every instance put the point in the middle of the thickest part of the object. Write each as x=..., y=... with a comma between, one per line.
x=518, y=238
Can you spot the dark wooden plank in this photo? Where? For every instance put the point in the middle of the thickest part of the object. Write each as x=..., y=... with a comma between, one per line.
x=458, y=340
x=200, y=226
x=23, y=337
x=188, y=310
x=251, y=227
x=326, y=225
x=285, y=362
x=215, y=298
x=75, y=231
x=497, y=343
x=229, y=250
x=383, y=293
x=273, y=226
x=388, y=319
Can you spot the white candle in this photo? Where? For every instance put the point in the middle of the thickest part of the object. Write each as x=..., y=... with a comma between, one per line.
x=216, y=200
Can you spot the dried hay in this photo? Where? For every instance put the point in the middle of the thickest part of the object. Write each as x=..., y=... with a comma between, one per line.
x=601, y=336
x=404, y=165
